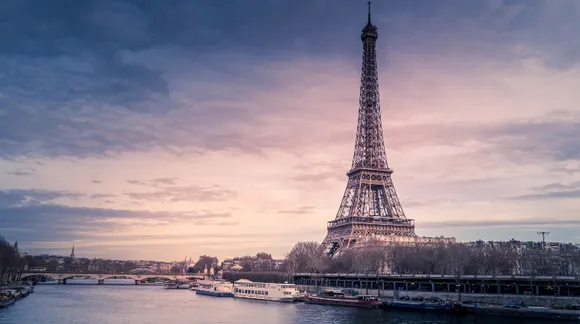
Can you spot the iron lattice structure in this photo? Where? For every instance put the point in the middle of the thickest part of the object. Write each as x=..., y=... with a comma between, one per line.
x=370, y=207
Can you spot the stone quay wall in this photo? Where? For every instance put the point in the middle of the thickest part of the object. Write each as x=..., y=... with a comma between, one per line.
x=495, y=299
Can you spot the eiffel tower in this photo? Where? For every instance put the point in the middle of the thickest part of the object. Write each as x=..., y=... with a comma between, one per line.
x=370, y=208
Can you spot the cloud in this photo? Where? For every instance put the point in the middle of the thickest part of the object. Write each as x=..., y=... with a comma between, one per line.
x=18, y=197
x=55, y=223
x=574, y=194
x=124, y=67
x=52, y=223
x=317, y=171
x=299, y=211
x=540, y=140
x=169, y=191
x=154, y=182
x=552, y=191
x=549, y=138
x=558, y=186
x=426, y=202
x=185, y=193
x=101, y=196
x=22, y=172
x=516, y=223
x=478, y=100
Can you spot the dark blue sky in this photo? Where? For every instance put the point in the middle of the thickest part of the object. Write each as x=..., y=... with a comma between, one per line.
x=479, y=104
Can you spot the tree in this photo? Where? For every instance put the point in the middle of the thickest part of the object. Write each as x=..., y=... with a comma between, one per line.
x=370, y=257
x=307, y=257
x=264, y=256
x=205, y=262
x=9, y=261
x=342, y=263
x=128, y=266
x=264, y=261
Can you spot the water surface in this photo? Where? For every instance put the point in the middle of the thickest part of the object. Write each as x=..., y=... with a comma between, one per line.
x=130, y=304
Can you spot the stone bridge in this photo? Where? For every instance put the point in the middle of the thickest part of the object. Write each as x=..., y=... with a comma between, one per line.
x=63, y=276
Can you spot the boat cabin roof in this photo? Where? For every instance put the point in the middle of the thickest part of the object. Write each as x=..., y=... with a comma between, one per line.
x=244, y=281
x=367, y=297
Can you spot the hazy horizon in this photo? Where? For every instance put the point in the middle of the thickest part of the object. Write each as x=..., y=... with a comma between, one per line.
x=140, y=130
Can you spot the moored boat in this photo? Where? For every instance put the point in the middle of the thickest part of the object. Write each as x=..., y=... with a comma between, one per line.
x=5, y=302
x=265, y=291
x=214, y=288
x=301, y=297
x=7, y=298
x=176, y=285
x=171, y=285
x=428, y=304
x=193, y=286
x=13, y=292
x=340, y=299
x=524, y=312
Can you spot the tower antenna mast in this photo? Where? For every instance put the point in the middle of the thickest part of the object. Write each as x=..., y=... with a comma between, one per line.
x=544, y=237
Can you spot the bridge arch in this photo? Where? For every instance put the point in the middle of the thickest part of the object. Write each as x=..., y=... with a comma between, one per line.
x=103, y=276
x=35, y=275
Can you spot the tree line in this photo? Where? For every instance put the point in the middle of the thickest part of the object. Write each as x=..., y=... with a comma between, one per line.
x=475, y=258
x=10, y=261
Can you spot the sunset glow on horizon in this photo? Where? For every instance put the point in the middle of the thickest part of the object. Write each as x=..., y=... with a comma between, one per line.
x=140, y=130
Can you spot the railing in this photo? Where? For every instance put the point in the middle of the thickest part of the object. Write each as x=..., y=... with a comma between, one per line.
x=437, y=276
x=113, y=273
x=371, y=220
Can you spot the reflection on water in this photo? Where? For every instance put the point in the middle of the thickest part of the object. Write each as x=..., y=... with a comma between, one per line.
x=128, y=304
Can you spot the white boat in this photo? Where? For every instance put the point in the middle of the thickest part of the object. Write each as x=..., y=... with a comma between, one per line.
x=214, y=288
x=176, y=285
x=265, y=291
x=171, y=285
x=193, y=286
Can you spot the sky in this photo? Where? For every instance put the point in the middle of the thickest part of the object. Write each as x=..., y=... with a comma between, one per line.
x=160, y=130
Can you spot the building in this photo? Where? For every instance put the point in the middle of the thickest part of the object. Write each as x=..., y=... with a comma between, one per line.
x=370, y=212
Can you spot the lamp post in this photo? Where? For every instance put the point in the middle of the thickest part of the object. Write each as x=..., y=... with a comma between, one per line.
x=379, y=284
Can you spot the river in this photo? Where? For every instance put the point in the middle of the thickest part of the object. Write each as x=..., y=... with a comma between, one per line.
x=130, y=304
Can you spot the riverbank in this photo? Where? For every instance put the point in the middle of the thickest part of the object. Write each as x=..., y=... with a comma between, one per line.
x=11, y=293
x=491, y=299
x=537, y=307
